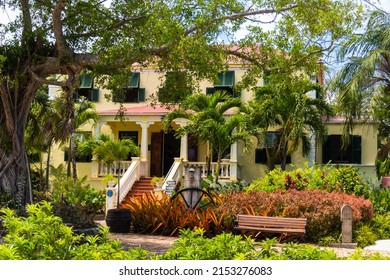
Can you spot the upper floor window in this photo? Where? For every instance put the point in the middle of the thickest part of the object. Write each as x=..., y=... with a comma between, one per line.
x=86, y=89
x=226, y=82
x=333, y=150
x=131, y=91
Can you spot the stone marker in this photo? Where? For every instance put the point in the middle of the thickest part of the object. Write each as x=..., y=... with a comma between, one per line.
x=346, y=226
x=192, y=179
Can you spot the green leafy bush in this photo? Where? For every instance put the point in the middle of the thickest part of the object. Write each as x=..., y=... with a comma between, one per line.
x=330, y=178
x=223, y=186
x=377, y=228
x=380, y=198
x=74, y=200
x=42, y=236
x=193, y=245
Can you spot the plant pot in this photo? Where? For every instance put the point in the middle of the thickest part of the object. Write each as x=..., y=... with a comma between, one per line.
x=385, y=182
x=118, y=220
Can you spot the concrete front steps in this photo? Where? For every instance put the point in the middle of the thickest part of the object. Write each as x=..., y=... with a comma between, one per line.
x=140, y=188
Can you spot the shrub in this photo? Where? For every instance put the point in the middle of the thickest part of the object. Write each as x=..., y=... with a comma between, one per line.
x=193, y=245
x=151, y=214
x=42, y=236
x=74, y=201
x=322, y=209
x=330, y=178
x=380, y=199
x=223, y=186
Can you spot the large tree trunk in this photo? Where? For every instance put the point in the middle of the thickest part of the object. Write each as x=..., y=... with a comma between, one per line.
x=14, y=177
x=15, y=102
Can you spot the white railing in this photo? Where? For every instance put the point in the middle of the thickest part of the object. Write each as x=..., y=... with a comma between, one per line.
x=103, y=169
x=127, y=181
x=174, y=173
x=224, y=173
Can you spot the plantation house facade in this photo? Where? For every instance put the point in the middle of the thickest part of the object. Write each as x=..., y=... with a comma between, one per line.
x=164, y=155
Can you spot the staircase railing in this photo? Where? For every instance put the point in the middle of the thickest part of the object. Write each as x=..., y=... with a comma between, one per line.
x=127, y=181
x=174, y=173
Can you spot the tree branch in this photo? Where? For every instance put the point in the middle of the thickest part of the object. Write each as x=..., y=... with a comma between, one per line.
x=62, y=46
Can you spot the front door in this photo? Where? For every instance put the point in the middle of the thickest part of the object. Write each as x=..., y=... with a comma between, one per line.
x=164, y=148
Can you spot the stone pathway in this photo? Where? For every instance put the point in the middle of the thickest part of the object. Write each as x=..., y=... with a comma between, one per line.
x=160, y=244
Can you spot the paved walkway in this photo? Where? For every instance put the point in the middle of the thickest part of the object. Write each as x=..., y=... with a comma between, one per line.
x=160, y=244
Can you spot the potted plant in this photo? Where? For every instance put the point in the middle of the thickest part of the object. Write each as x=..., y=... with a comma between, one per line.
x=157, y=182
x=383, y=172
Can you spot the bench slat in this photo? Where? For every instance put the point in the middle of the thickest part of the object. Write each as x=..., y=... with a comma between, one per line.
x=271, y=224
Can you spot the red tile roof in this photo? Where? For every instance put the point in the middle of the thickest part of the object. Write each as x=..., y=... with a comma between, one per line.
x=147, y=110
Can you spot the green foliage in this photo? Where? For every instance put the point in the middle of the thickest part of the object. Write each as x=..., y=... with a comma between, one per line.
x=330, y=178
x=75, y=192
x=75, y=201
x=380, y=198
x=364, y=236
x=43, y=236
x=193, y=245
x=360, y=254
x=223, y=186
x=284, y=103
x=382, y=168
x=377, y=228
x=206, y=115
x=294, y=251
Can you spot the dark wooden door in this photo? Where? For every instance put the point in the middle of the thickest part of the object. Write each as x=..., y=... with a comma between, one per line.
x=156, y=149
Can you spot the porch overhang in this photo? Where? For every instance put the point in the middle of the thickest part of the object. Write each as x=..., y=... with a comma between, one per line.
x=145, y=110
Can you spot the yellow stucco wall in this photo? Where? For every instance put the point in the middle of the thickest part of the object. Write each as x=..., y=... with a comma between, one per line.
x=248, y=169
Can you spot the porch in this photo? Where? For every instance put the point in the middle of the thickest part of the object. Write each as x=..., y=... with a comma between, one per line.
x=134, y=172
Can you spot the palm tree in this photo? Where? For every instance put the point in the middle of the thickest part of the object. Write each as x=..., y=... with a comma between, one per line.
x=366, y=75
x=286, y=106
x=108, y=150
x=63, y=125
x=209, y=121
x=35, y=140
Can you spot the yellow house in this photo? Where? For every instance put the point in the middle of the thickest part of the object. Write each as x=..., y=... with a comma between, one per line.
x=164, y=155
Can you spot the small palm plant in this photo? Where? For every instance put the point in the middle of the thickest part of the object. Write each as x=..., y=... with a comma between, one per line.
x=107, y=150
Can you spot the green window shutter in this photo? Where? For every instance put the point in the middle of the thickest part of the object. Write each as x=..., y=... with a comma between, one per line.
x=356, y=149
x=95, y=95
x=133, y=81
x=141, y=95
x=210, y=90
x=225, y=79
x=86, y=81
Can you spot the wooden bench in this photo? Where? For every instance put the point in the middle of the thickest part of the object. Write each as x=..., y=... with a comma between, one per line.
x=262, y=224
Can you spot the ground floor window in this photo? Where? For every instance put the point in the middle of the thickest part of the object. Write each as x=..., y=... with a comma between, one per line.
x=334, y=151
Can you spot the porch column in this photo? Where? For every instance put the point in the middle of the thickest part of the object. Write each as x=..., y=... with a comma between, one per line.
x=98, y=128
x=234, y=162
x=183, y=141
x=144, y=147
x=95, y=164
x=184, y=148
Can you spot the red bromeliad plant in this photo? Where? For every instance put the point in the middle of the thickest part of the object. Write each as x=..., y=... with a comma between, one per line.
x=155, y=215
